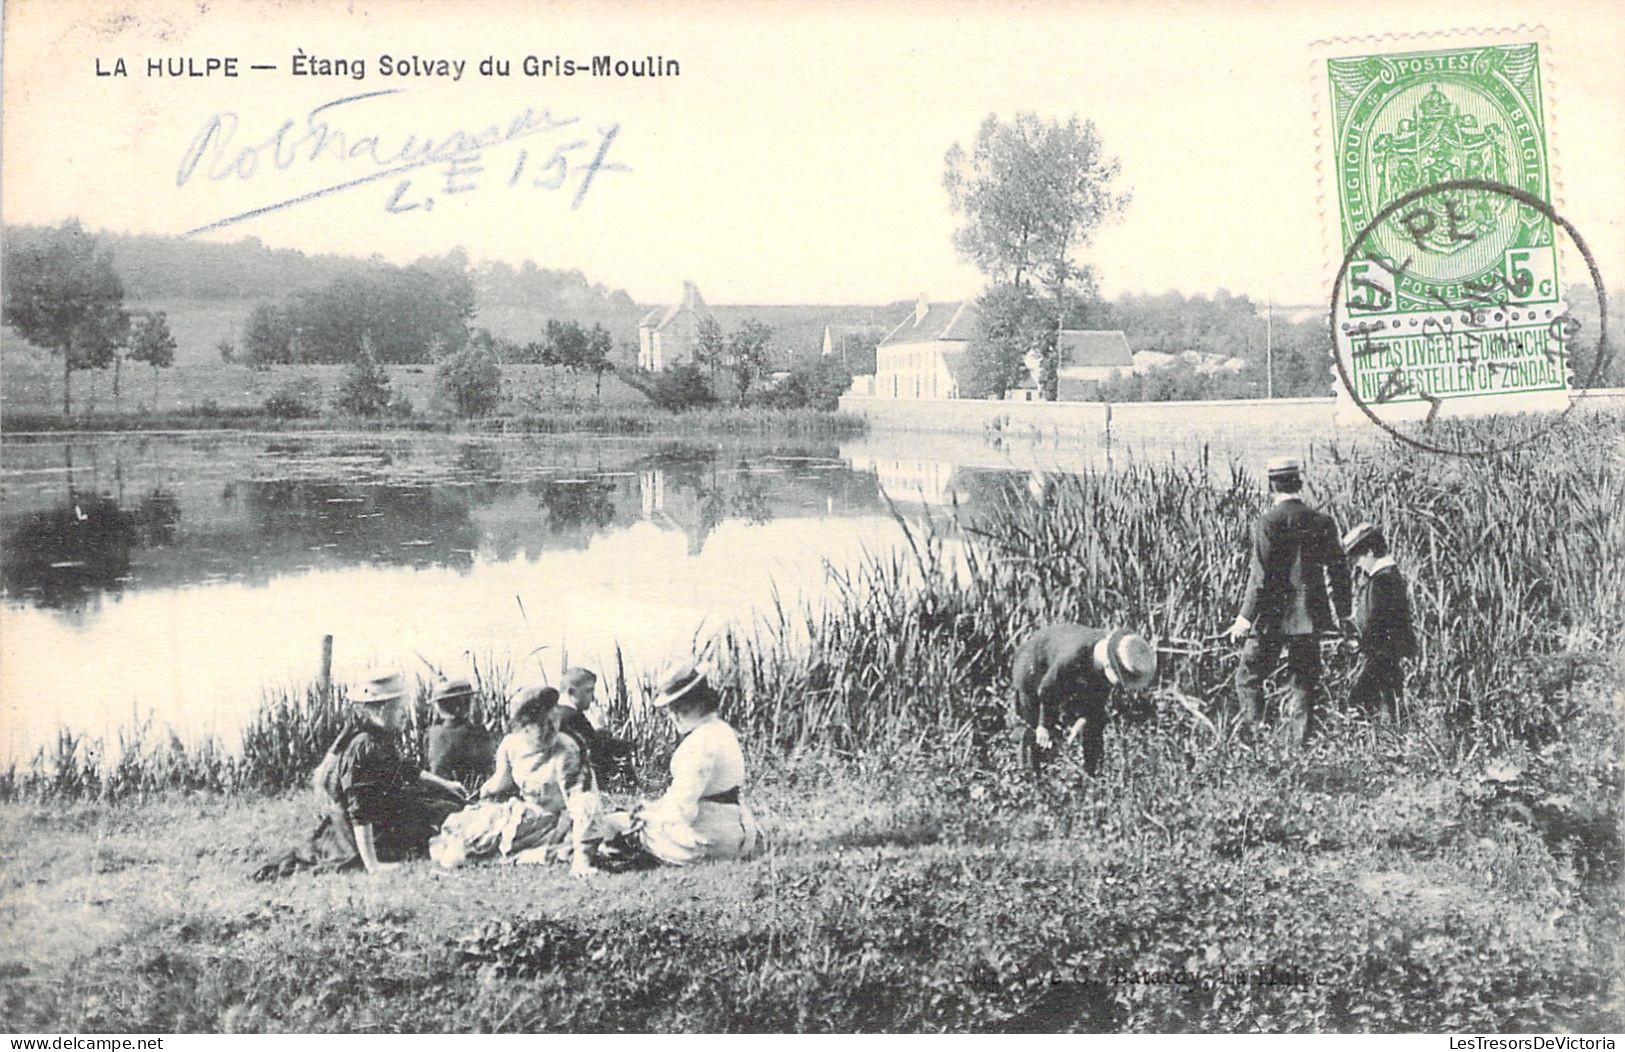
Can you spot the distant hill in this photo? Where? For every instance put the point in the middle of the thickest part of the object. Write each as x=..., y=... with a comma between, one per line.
x=208, y=289
x=168, y=268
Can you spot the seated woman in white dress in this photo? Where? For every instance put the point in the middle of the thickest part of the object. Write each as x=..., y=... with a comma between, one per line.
x=702, y=814
x=551, y=817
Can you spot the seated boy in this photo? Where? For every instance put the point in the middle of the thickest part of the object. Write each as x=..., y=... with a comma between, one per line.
x=458, y=748
x=376, y=808
x=608, y=756
x=1382, y=617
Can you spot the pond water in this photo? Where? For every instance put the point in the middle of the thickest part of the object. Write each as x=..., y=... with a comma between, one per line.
x=174, y=577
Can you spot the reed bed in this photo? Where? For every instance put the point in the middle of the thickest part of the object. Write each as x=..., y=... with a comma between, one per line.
x=1516, y=563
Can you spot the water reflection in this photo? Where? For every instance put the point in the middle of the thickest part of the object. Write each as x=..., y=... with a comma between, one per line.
x=213, y=564
x=261, y=509
x=68, y=555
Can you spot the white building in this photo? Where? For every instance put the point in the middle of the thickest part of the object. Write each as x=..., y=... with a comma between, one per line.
x=666, y=335
x=924, y=355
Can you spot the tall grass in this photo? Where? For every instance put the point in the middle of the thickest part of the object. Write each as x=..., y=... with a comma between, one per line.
x=1516, y=563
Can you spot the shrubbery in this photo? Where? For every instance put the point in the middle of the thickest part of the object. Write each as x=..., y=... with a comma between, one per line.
x=471, y=380
x=297, y=399
x=365, y=389
x=681, y=387
x=817, y=383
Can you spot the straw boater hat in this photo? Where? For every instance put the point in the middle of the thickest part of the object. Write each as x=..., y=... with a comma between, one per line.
x=1130, y=661
x=453, y=690
x=379, y=688
x=684, y=681
x=1359, y=536
x=1285, y=468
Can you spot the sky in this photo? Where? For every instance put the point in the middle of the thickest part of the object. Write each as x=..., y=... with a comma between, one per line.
x=796, y=157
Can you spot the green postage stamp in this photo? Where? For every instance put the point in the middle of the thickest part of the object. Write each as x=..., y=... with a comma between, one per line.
x=1448, y=298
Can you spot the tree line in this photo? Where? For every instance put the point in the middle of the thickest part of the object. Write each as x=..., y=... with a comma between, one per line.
x=158, y=268
x=64, y=294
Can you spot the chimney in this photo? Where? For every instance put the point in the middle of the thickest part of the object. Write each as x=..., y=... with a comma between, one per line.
x=691, y=295
x=922, y=307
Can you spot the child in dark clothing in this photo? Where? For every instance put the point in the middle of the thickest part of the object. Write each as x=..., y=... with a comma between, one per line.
x=378, y=809
x=458, y=748
x=1382, y=617
x=610, y=757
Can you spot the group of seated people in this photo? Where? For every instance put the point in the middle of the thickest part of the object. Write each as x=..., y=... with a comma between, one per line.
x=540, y=803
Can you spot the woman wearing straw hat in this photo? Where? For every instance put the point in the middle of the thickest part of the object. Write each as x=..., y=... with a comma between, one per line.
x=702, y=815
x=1063, y=676
x=378, y=808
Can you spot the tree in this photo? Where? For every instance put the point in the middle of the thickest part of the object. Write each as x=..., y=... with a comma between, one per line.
x=268, y=335
x=406, y=312
x=1033, y=193
x=472, y=380
x=365, y=387
x=63, y=294
x=565, y=345
x=710, y=346
x=1011, y=324
x=595, y=358
x=152, y=343
x=748, y=355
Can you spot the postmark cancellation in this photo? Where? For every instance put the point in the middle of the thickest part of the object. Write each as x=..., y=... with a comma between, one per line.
x=1445, y=240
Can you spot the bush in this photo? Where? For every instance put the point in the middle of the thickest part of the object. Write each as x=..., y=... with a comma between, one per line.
x=681, y=387
x=294, y=400
x=471, y=380
x=815, y=384
x=365, y=388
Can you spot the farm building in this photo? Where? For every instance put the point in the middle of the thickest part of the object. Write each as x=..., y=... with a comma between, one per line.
x=924, y=355
x=666, y=336
x=1085, y=357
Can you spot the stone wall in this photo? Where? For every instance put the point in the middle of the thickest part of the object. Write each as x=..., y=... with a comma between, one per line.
x=1234, y=418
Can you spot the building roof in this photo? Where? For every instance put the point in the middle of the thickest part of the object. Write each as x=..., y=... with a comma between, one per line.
x=1095, y=347
x=942, y=321
x=692, y=301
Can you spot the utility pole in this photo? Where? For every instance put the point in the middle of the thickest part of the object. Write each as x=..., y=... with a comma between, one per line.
x=1269, y=346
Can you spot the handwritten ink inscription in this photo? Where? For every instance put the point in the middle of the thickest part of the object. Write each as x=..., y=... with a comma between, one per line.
x=559, y=153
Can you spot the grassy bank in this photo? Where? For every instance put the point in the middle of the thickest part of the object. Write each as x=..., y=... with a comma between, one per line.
x=1352, y=888
x=535, y=399
x=33, y=384
x=1461, y=871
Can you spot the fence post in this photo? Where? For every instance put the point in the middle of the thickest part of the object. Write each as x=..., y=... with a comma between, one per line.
x=326, y=680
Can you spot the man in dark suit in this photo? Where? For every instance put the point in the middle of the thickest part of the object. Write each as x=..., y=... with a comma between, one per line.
x=1296, y=555
x=1063, y=675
